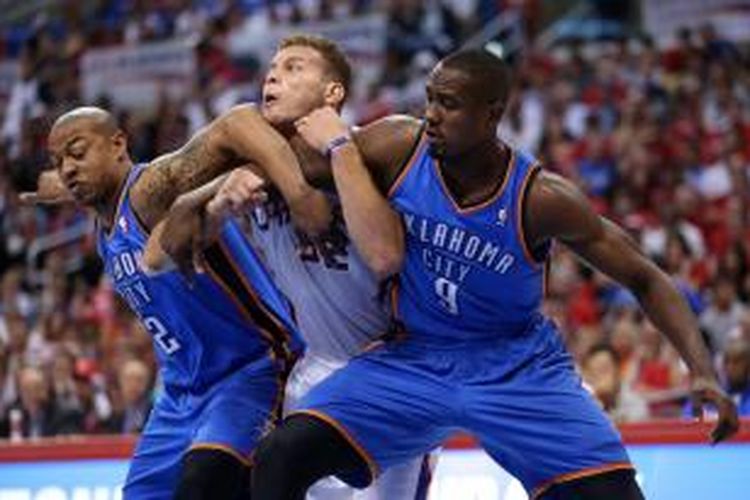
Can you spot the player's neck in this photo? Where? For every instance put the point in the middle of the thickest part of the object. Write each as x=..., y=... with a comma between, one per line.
x=306, y=154
x=475, y=174
x=107, y=207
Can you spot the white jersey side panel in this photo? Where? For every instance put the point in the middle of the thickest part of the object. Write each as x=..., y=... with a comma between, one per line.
x=337, y=301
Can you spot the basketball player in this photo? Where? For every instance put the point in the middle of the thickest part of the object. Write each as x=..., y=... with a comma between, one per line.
x=336, y=296
x=224, y=343
x=472, y=350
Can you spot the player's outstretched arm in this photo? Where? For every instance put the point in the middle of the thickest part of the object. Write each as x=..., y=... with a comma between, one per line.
x=374, y=226
x=557, y=209
x=194, y=220
x=238, y=137
x=50, y=190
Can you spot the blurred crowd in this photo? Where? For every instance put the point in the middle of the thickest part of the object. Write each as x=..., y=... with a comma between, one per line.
x=658, y=138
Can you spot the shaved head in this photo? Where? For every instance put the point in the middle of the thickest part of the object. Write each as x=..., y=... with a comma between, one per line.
x=99, y=119
x=90, y=151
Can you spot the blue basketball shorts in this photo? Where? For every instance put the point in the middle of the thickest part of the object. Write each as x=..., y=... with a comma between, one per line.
x=231, y=415
x=520, y=398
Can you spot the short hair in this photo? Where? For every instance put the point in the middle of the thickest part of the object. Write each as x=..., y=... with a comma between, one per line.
x=604, y=347
x=489, y=74
x=338, y=64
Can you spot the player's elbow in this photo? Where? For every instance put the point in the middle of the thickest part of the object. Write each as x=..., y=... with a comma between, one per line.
x=242, y=126
x=384, y=267
x=386, y=261
x=641, y=281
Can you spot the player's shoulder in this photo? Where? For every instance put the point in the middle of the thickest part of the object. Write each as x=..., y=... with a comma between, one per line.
x=387, y=144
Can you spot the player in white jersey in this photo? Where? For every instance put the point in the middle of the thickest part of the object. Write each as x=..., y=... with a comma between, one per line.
x=336, y=297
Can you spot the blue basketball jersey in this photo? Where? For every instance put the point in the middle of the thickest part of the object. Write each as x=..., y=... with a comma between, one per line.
x=467, y=273
x=228, y=317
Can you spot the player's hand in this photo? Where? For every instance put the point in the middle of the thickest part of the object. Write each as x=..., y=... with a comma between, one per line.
x=50, y=190
x=707, y=391
x=320, y=127
x=155, y=259
x=239, y=192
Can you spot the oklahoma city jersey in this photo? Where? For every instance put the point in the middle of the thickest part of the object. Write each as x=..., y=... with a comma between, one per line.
x=335, y=295
x=229, y=317
x=467, y=273
x=475, y=353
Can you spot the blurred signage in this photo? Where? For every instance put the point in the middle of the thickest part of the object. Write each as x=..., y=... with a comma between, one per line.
x=666, y=472
x=662, y=18
x=134, y=76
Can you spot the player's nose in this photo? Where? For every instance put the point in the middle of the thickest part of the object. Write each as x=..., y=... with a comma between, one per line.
x=67, y=169
x=431, y=115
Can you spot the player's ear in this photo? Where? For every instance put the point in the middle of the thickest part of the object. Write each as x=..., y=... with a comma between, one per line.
x=120, y=144
x=334, y=94
x=497, y=109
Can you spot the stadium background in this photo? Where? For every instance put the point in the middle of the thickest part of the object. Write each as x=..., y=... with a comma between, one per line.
x=646, y=105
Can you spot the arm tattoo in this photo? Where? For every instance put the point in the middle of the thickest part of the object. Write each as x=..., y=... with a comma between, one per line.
x=181, y=171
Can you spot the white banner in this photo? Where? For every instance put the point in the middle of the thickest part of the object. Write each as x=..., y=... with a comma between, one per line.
x=134, y=76
x=662, y=18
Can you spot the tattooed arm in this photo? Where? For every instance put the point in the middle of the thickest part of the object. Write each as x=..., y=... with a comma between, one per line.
x=238, y=137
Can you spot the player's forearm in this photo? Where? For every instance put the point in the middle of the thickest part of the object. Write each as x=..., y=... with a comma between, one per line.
x=667, y=309
x=375, y=228
x=251, y=138
x=197, y=199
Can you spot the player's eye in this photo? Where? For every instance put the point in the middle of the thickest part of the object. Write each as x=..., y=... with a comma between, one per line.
x=449, y=103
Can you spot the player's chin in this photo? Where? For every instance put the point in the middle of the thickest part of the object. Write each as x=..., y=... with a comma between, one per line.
x=281, y=121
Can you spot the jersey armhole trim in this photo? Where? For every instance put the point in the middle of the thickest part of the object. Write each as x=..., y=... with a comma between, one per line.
x=539, y=257
x=409, y=162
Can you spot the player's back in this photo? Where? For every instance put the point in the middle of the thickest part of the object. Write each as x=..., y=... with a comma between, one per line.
x=226, y=318
x=338, y=301
x=468, y=273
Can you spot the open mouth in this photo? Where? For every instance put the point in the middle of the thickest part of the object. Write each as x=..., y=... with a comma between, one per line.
x=270, y=99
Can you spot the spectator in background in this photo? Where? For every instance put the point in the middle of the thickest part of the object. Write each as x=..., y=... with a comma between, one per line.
x=736, y=373
x=15, y=351
x=736, y=366
x=35, y=414
x=134, y=379
x=601, y=372
x=661, y=378
x=90, y=387
x=723, y=312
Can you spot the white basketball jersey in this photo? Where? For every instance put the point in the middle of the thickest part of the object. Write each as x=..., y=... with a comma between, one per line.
x=337, y=299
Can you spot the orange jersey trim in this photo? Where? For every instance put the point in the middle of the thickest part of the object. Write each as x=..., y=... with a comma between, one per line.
x=572, y=476
x=409, y=164
x=286, y=335
x=520, y=233
x=482, y=204
x=371, y=464
x=246, y=461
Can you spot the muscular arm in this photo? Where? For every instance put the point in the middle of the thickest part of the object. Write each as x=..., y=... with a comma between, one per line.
x=375, y=228
x=384, y=145
x=557, y=209
x=238, y=137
